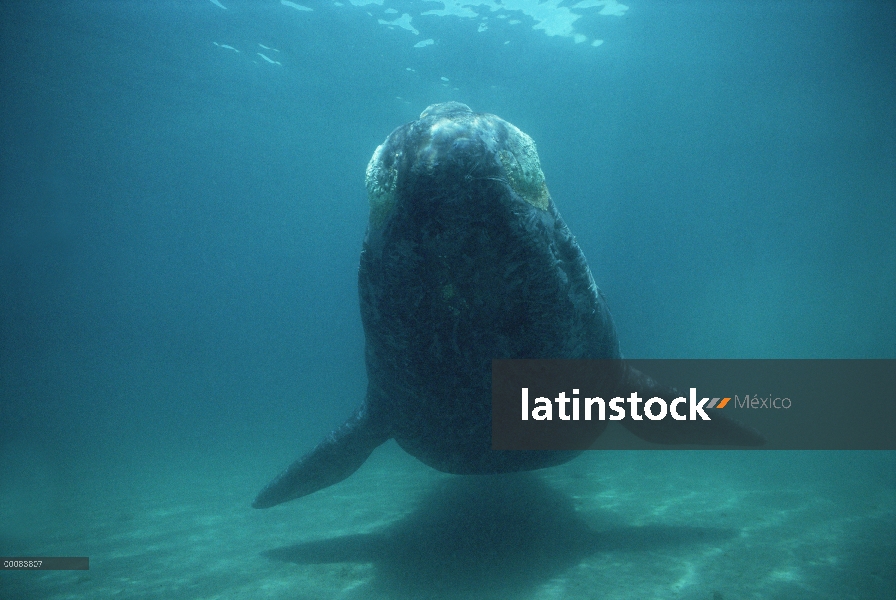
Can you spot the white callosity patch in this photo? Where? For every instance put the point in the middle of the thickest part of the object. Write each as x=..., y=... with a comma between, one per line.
x=520, y=161
x=429, y=154
x=381, y=182
x=517, y=155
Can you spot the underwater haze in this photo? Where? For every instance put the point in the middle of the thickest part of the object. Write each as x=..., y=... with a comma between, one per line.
x=182, y=209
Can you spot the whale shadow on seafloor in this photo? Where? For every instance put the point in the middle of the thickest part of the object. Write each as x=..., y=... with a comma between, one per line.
x=489, y=536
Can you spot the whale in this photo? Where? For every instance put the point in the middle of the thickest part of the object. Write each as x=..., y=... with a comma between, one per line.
x=466, y=259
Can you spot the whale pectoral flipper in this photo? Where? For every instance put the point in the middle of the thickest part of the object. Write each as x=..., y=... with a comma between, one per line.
x=720, y=431
x=340, y=454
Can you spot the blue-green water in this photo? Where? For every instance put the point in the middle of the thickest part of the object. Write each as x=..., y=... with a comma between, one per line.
x=182, y=206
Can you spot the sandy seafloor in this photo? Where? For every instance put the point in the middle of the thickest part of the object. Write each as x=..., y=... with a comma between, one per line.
x=614, y=525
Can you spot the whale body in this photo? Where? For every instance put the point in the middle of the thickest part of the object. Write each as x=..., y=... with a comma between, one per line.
x=466, y=260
